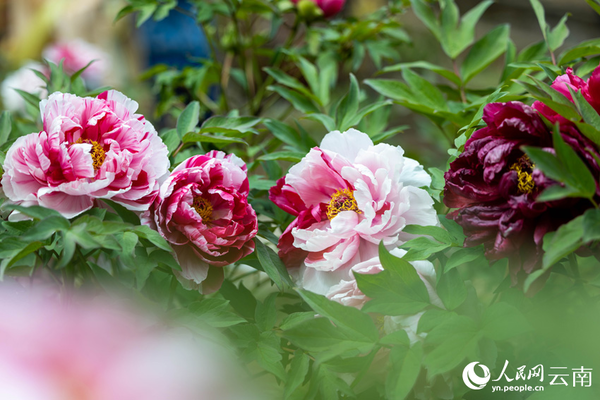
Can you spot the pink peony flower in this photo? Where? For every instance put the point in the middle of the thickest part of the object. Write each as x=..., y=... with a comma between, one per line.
x=89, y=148
x=23, y=79
x=51, y=350
x=590, y=90
x=77, y=54
x=329, y=7
x=202, y=210
x=349, y=195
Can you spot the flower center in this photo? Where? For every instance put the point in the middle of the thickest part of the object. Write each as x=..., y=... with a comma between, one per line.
x=342, y=200
x=524, y=168
x=98, y=154
x=203, y=208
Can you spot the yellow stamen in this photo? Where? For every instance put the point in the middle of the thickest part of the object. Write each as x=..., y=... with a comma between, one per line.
x=98, y=154
x=203, y=208
x=342, y=200
x=524, y=168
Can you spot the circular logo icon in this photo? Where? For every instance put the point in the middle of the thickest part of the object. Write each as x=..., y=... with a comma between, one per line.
x=474, y=381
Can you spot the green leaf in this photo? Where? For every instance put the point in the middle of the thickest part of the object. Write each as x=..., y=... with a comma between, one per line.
x=216, y=313
x=154, y=237
x=451, y=76
x=298, y=100
x=424, y=92
x=450, y=343
x=27, y=250
x=144, y=13
x=432, y=319
x=353, y=322
x=484, y=52
x=559, y=244
x=46, y=228
x=266, y=313
x=594, y=4
x=405, y=368
x=591, y=225
x=205, y=138
x=397, y=290
x=502, y=321
x=5, y=126
x=541, y=16
x=451, y=289
x=426, y=15
x=322, y=337
x=171, y=139
x=241, y=299
x=463, y=256
x=348, y=106
x=291, y=156
x=295, y=319
x=230, y=125
x=37, y=212
x=272, y=265
x=396, y=338
x=125, y=214
x=557, y=36
x=188, y=119
x=298, y=370
x=589, y=114
x=285, y=133
x=439, y=234
x=421, y=248
x=268, y=356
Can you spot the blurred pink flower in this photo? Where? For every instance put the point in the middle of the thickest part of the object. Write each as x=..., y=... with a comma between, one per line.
x=78, y=350
x=202, y=210
x=77, y=54
x=89, y=148
x=349, y=195
x=329, y=7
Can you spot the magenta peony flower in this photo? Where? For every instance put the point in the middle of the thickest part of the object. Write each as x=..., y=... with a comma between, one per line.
x=589, y=89
x=329, y=7
x=98, y=351
x=89, y=148
x=202, y=210
x=348, y=195
x=76, y=55
x=494, y=186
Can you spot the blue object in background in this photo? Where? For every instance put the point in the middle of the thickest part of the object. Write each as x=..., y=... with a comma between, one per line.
x=175, y=41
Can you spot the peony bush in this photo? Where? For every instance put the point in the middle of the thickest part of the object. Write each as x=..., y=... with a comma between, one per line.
x=345, y=216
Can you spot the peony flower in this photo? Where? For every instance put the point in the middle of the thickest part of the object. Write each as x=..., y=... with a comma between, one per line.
x=349, y=195
x=76, y=55
x=26, y=80
x=590, y=90
x=79, y=349
x=90, y=148
x=494, y=186
x=329, y=7
x=202, y=210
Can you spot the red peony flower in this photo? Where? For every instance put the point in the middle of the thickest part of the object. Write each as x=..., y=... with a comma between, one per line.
x=202, y=210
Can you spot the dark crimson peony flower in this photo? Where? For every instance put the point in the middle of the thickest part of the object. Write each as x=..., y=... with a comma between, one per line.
x=494, y=186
